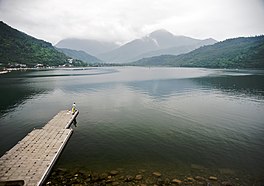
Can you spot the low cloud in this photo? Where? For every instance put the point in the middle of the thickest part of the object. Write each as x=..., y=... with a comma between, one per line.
x=124, y=20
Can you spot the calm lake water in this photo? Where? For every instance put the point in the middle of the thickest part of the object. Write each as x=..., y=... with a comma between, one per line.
x=173, y=120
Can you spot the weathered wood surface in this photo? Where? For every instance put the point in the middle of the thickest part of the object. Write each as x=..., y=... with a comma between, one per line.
x=33, y=157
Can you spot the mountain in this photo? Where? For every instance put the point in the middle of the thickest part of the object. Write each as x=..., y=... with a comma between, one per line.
x=156, y=43
x=243, y=52
x=81, y=55
x=92, y=47
x=177, y=50
x=19, y=48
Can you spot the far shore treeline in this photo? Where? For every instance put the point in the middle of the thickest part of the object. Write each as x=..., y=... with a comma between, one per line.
x=20, y=50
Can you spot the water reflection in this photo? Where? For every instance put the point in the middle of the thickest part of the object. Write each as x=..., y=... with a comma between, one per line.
x=245, y=86
x=68, y=72
x=161, y=89
x=15, y=91
x=170, y=119
x=74, y=122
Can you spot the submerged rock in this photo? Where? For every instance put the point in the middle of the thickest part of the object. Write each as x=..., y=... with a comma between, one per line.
x=213, y=178
x=114, y=172
x=190, y=179
x=138, y=177
x=149, y=178
x=121, y=177
x=157, y=174
x=176, y=181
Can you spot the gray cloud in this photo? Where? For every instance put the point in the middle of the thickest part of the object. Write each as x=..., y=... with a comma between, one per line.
x=124, y=20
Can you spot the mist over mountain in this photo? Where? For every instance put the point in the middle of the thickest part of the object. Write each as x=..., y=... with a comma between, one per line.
x=176, y=50
x=159, y=42
x=90, y=46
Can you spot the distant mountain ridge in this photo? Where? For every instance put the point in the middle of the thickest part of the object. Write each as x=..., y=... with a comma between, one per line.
x=89, y=46
x=156, y=43
x=18, y=48
x=177, y=50
x=81, y=55
x=243, y=52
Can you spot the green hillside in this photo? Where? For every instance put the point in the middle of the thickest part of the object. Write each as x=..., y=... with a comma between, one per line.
x=244, y=52
x=19, y=48
x=81, y=55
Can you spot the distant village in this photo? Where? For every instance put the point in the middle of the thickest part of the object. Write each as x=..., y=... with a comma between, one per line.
x=4, y=68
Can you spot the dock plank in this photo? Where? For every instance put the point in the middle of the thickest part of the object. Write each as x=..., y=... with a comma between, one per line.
x=33, y=157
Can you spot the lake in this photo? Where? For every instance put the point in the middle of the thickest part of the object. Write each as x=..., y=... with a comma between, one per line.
x=179, y=121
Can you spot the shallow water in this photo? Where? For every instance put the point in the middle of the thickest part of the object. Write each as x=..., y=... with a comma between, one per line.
x=167, y=119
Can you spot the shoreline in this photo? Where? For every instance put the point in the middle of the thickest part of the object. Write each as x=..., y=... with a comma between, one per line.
x=144, y=177
x=8, y=70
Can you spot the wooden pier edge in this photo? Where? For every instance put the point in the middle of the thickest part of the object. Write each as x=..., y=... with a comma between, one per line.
x=49, y=168
x=31, y=160
x=46, y=174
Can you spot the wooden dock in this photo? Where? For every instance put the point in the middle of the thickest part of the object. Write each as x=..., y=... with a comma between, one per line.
x=31, y=159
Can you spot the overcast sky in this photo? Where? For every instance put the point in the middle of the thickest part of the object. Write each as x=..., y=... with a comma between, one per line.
x=125, y=20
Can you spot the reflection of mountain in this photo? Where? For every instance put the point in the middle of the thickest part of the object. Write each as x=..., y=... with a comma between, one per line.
x=17, y=87
x=245, y=85
x=249, y=85
x=14, y=91
x=164, y=88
